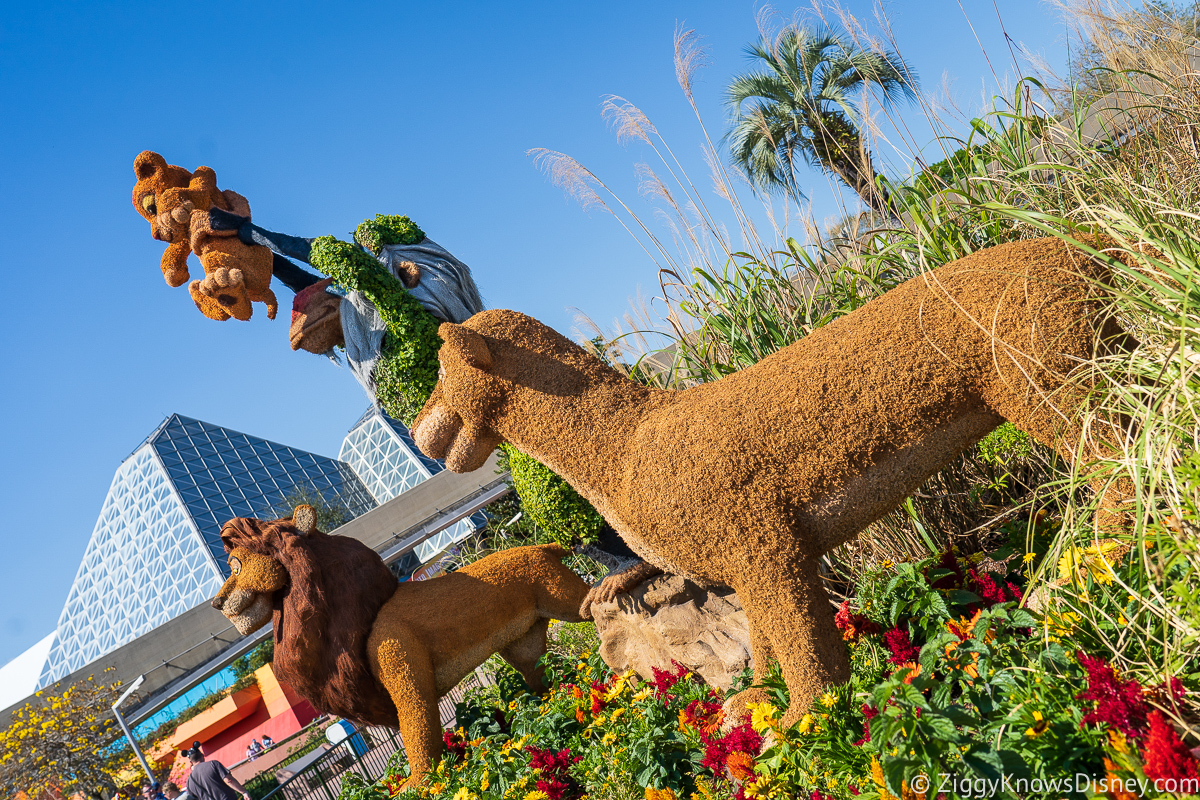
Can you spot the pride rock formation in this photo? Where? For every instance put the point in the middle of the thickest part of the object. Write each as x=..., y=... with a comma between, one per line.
x=669, y=618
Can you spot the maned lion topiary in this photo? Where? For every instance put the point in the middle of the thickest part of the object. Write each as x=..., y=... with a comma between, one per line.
x=748, y=480
x=353, y=641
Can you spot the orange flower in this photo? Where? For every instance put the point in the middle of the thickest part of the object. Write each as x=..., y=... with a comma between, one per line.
x=964, y=629
x=1115, y=786
x=741, y=765
x=911, y=669
x=579, y=716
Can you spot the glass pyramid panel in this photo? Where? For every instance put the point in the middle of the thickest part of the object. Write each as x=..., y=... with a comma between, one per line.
x=144, y=565
x=240, y=475
x=383, y=455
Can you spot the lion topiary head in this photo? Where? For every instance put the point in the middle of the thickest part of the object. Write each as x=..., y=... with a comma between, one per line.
x=322, y=594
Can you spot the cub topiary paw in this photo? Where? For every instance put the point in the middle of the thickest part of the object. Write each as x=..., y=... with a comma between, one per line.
x=227, y=286
x=207, y=305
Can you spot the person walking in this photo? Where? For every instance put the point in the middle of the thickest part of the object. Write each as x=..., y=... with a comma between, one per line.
x=211, y=780
x=267, y=742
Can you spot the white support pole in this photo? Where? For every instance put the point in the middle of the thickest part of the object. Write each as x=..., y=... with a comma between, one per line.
x=116, y=709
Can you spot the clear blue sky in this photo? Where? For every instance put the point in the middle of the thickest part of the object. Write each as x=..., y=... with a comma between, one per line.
x=323, y=116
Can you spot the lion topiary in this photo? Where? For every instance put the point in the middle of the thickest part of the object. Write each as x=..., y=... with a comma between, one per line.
x=747, y=481
x=177, y=205
x=353, y=641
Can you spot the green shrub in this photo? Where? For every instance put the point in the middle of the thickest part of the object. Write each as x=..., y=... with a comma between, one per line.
x=551, y=502
x=387, y=229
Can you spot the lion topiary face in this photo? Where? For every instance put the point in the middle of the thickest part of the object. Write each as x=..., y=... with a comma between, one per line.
x=248, y=597
x=322, y=594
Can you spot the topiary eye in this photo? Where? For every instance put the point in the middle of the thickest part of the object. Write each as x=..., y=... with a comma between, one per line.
x=148, y=204
x=235, y=565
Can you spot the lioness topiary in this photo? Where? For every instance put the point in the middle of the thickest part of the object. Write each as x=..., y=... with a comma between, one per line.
x=354, y=642
x=747, y=481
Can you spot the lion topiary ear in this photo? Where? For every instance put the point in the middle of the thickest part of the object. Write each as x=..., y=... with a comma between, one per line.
x=468, y=344
x=305, y=519
x=147, y=163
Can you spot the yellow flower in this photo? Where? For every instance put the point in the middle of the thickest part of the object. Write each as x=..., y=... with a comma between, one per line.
x=536, y=795
x=659, y=794
x=617, y=713
x=642, y=695
x=608, y=738
x=484, y=783
x=762, y=716
x=806, y=723
x=1028, y=558
x=463, y=794
x=1039, y=726
x=1096, y=559
x=829, y=699
x=1118, y=741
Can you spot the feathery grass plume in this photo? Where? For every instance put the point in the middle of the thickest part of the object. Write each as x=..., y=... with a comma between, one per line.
x=690, y=58
x=627, y=120
x=569, y=175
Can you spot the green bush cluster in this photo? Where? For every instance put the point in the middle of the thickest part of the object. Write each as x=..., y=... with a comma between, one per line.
x=408, y=365
x=551, y=502
x=387, y=229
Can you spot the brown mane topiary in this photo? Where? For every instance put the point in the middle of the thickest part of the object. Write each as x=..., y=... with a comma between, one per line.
x=321, y=632
x=355, y=642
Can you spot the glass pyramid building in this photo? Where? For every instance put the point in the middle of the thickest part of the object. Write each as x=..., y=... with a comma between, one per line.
x=383, y=454
x=156, y=552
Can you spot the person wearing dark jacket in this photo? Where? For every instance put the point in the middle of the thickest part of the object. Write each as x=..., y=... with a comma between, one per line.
x=211, y=780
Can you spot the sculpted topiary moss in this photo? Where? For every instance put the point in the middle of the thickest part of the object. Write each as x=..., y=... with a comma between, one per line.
x=748, y=480
x=385, y=229
x=354, y=642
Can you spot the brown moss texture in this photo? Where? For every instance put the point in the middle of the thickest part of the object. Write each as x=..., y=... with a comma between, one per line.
x=354, y=643
x=747, y=480
x=176, y=203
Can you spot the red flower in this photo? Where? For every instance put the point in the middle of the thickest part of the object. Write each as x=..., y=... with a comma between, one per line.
x=742, y=739
x=699, y=714
x=549, y=761
x=664, y=680
x=870, y=712
x=1166, y=757
x=948, y=561
x=986, y=586
x=455, y=744
x=1119, y=704
x=597, y=697
x=901, y=647
x=853, y=625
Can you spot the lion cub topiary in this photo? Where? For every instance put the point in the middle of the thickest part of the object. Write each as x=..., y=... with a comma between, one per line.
x=176, y=203
x=355, y=642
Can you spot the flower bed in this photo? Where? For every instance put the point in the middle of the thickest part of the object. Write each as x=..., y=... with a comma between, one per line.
x=956, y=691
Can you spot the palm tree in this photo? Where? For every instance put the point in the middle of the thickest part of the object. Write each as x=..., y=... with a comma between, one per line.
x=803, y=107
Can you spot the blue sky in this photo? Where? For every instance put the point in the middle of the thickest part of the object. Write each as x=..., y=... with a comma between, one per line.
x=323, y=117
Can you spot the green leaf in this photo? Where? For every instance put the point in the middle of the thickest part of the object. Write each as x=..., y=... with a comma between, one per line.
x=961, y=597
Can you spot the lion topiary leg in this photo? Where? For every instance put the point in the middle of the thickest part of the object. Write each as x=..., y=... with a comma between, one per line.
x=788, y=606
x=523, y=655
x=403, y=666
x=761, y=654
